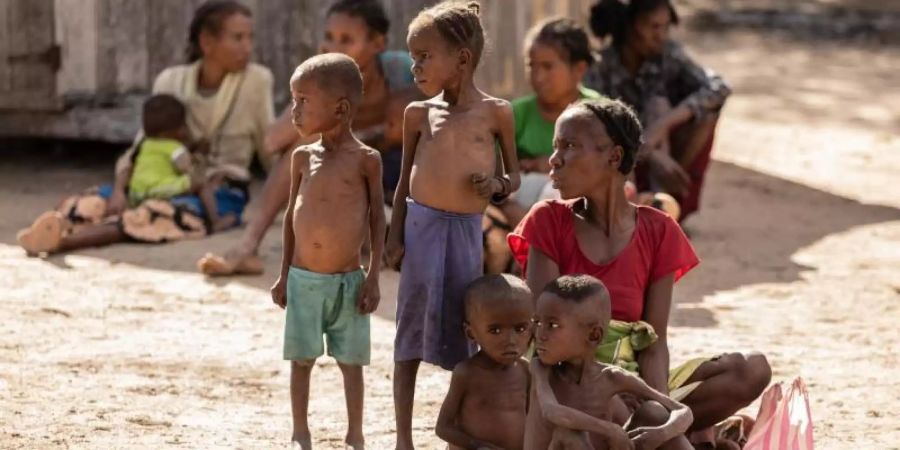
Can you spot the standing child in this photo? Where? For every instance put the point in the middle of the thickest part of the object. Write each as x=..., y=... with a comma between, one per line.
x=336, y=198
x=488, y=396
x=447, y=178
x=572, y=393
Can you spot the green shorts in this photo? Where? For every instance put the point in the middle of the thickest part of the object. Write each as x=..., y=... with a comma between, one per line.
x=320, y=304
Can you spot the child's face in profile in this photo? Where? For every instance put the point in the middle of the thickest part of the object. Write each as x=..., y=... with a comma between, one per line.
x=502, y=329
x=551, y=76
x=351, y=36
x=434, y=62
x=560, y=332
x=313, y=110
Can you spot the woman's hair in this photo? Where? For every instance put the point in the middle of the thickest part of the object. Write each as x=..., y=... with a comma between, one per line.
x=370, y=11
x=458, y=23
x=209, y=18
x=622, y=126
x=565, y=35
x=615, y=17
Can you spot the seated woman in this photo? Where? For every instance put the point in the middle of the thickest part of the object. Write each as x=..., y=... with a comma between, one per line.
x=677, y=101
x=357, y=28
x=638, y=252
x=229, y=106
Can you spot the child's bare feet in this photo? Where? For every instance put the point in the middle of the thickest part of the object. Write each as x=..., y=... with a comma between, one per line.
x=301, y=443
x=44, y=234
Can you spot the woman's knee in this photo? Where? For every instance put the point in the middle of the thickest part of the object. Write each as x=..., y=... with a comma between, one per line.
x=753, y=371
x=650, y=414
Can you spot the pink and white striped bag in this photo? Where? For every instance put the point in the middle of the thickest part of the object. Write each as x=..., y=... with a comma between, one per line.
x=784, y=421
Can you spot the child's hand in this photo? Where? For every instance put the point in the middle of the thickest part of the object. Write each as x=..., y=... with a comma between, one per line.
x=393, y=252
x=646, y=438
x=620, y=441
x=369, y=295
x=279, y=292
x=486, y=186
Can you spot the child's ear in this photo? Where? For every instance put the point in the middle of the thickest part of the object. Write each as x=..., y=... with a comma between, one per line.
x=468, y=330
x=595, y=335
x=342, y=110
x=464, y=57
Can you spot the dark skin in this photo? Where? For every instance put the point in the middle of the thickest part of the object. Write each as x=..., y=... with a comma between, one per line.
x=573, y=391
x=668, y=159
x=343, y=34
x=450, y=139
x=223, y=53
x=585, y=166
x=338, y=170
x=487, y=399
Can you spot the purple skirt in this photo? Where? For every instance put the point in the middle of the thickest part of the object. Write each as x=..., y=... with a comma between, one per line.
x=442, y=255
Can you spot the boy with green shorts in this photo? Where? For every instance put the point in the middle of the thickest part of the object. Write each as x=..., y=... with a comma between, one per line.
x=335, y=203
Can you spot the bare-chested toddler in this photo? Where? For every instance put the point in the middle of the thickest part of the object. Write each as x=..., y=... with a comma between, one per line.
x=488, y=397
x=335, y=202
x=571, y=392
x=448, y=174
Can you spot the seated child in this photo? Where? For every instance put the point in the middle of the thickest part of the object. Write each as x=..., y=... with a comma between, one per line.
x=486, y=404
x=335, y=201
x=571, y=392
x=163, y=166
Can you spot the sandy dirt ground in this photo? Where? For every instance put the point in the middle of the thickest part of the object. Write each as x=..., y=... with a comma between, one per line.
x=127, y=347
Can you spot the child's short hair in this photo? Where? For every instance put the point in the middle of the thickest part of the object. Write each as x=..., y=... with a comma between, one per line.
x=575, y=288
x=496, y=287
x=162, y=113
x=370, y=11
x=565, y=35
x=458, y=23
x=622, y=126
x=336, y=74
x=580, y=288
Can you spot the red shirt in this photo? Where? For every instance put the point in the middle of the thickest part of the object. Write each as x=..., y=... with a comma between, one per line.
x=658, y=248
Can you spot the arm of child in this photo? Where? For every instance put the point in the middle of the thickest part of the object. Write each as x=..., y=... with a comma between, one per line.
x=371, y=295
x=654, y=360
x=447, y=427
x=299, y=160
x=563, y=416
x=507, y=138
x=415, y=113
x=181, y=159
x=680, y=416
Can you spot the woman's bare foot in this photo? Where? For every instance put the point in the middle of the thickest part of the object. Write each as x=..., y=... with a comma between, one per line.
x=44, y=235
x=233, y=263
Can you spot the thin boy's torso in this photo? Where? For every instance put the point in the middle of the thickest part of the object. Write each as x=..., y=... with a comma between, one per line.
x=330, y=216
x=495, y=401
x=454, y=143
x=592, y=396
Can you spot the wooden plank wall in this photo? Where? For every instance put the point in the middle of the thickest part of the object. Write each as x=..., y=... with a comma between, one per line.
x=141, y=38
x=26, y=31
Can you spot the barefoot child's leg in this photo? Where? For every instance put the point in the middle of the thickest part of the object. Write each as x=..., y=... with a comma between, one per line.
x=207, y=193
x=404, y=395
x=300, y=374
x=354, y=390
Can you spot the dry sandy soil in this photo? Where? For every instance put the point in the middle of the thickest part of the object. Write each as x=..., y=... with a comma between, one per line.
x=127, y=347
